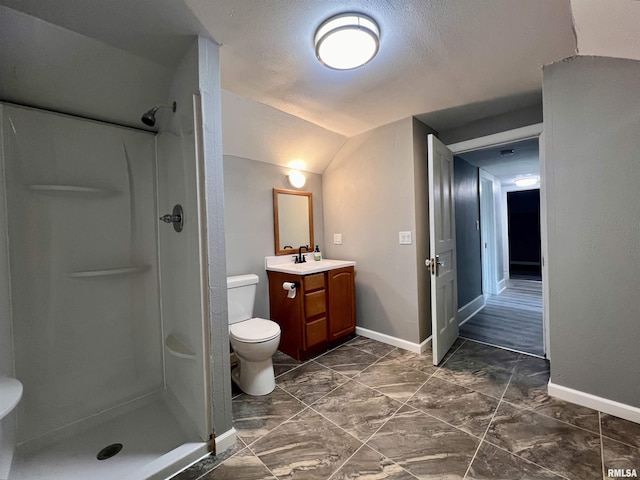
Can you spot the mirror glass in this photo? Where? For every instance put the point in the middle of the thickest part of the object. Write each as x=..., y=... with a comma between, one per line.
x=293, y=220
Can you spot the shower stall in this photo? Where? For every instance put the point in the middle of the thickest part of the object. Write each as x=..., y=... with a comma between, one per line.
x=109, y=332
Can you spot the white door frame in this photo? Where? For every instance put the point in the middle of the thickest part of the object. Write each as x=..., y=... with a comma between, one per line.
x=502, y=138
x=488, y=235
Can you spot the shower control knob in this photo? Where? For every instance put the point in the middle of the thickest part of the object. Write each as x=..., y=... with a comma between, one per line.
x=170, y=218
x=176, y=217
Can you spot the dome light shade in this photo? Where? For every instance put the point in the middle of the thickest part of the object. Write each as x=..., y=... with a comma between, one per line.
x=347, y=41
x=527, y=181
x=296, y=179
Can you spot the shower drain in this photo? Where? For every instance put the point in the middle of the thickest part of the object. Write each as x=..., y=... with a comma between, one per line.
x=109, y=451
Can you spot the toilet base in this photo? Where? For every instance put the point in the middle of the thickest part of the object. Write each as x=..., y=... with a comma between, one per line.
x=254, y=378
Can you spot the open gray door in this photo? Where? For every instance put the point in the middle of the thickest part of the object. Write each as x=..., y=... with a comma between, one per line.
x=442, y=250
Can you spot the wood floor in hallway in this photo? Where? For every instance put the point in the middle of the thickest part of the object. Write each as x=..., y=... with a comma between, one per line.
x=512, y=319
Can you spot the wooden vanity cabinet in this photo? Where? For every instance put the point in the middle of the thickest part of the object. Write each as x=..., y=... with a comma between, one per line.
x=321, y=314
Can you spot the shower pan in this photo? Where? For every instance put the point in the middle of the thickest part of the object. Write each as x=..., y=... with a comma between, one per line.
x=114, y=365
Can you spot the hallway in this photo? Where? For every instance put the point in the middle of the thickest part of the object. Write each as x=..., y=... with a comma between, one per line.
x=512, y=319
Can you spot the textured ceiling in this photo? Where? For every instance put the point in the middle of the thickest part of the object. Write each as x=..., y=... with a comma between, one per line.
x=609, y=28
x=434, y=55
x=447, y=62
x=524, y=161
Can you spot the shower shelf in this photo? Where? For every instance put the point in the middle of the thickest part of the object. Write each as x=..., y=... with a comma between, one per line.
x=70, y=188
x=133, y=269
x=10, y=395
x=177, y=348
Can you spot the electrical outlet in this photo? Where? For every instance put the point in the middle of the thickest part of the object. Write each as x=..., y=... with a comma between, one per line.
x=405, y=238
x=337, y=239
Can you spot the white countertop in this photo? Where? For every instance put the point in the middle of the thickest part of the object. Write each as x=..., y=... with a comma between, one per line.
x=285, y=264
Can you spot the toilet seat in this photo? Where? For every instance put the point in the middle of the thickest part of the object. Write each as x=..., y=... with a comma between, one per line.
x=254, y=330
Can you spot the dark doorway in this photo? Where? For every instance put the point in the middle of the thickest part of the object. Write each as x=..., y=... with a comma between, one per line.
x=524, y=234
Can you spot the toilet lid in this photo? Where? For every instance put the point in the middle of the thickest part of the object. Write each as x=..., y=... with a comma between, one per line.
x=254, y=330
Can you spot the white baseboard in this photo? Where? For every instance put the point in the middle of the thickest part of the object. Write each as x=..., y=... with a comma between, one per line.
x=225, y=440
x=396, y=342
x=502, y=284
x=470, y=309
x=597, y=403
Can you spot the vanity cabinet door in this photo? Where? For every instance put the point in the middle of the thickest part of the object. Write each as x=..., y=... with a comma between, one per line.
x=342, y=305
x=287, y=312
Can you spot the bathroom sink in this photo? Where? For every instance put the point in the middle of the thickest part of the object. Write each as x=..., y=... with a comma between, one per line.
x=285, y=265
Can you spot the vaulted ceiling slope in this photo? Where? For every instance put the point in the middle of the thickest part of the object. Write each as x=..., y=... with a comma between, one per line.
x=448, y=62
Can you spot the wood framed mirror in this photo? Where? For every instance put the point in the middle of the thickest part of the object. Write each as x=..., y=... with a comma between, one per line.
x=292, y=220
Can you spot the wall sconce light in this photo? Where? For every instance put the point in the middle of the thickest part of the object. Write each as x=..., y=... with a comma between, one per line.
x=296, y=179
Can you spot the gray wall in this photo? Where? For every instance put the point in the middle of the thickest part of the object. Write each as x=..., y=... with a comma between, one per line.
x=591, y=124
x=369, y=197
x=248, y=192
x=467, y=204
x=210, y=157
x=499, y=123
x=421, y=186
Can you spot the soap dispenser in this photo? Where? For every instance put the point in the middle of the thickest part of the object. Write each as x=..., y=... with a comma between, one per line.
x=317, y=256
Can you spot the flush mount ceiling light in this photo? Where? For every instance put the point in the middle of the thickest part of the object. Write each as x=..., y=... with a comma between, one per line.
x=347, y=41
x=527, y=181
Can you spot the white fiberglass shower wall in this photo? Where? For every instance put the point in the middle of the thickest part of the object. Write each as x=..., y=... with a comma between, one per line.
x=89, y=344
x=83, y=264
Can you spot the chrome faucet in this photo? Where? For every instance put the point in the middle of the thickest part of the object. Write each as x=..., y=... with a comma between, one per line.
x=301, y=258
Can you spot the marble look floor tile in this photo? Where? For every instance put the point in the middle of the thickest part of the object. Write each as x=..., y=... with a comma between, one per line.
x=476, y=375
x=253, y=417
x=243, y=466
x=530, y=391
x=308, y=447
x=347, y=360
x=422, y=362
x=371, y=346
x=310, y=382
x=529, y=366
x=564, y=449
x=282, y=363
x=367, y=464
x=461, y=407
x=358, y=409
x=208, y=463
x=393, y=379
x=622, y=430
x=425, y=446
x=498, y=358
x=618, y=455
x=492, y=463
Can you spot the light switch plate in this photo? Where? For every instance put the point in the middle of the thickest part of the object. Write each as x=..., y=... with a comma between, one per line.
x=337, y=239
x=405, y=238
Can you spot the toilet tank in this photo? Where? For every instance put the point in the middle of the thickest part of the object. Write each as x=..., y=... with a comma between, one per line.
x=241, y=295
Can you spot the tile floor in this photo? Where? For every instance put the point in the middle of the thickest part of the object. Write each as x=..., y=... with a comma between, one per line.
x=366, y=410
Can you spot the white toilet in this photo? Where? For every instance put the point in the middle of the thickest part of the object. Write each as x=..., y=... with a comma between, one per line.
x=254, y=340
